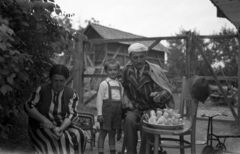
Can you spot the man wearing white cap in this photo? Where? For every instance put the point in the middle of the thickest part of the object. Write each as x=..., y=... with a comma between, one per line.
x=146, y=87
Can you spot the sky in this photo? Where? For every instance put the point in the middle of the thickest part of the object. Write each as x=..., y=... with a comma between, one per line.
x=149, y=18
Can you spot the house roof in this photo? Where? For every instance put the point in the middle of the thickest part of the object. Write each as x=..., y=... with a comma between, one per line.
x=229, y=9
x=111, y=33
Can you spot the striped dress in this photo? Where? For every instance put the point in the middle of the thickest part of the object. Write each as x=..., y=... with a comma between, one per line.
x=43, y=141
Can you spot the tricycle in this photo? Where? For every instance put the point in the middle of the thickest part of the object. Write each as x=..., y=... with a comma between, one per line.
x=220, y=147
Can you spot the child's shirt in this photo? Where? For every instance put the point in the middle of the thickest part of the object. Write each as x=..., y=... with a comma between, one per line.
x=103, y=93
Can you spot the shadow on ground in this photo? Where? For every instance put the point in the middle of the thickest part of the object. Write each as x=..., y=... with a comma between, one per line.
x=21, y=146
x=232, y=144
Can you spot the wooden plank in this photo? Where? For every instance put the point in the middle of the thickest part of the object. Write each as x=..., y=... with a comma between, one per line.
x=225, y=78
x=103, y=61
x=188, y=55
x=78, y=84
x=76, y=68
x=215, y=77
x=97, y=81
x=90, y=61
x=94, y=54
x=90, y=99
x=99, y=41
x=69, y=80
x=238, y=41
x=119, y=54
x=116, y=53
x=159, y=61
x=80, y=50
x=125, y=55
x=91, y=53
x=216, y=120
x=154, y=44
x=217, y=36
x=106, y=52
x=85, y=60
x=94, y=75
x=191, y=55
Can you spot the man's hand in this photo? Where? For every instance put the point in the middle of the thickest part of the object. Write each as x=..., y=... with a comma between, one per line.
x=130, y=106
x=127, y=104
x=47, y=124
x=100, y=118
x=156, y=96
x=119, y=134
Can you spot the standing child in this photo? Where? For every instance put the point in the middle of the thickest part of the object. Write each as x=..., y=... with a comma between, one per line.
x=109, y=106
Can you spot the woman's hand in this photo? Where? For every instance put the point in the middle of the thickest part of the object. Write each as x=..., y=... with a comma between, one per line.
x=57, y=132
x=47, y=124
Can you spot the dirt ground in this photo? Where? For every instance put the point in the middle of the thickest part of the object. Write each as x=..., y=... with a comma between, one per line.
x=227, y=127
x=232, y=144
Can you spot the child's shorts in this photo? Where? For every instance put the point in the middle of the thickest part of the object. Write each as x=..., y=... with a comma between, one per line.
x=112, y=115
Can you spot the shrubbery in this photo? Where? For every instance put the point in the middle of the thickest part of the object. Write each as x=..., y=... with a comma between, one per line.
x=31, y=34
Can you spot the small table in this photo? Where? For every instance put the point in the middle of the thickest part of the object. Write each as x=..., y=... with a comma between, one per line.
x=185, y=130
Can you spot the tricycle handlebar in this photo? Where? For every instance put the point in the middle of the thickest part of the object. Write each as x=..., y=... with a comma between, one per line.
x=214, y=115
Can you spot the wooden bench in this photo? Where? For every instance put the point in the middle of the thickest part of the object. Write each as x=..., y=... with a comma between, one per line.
x=86, y=121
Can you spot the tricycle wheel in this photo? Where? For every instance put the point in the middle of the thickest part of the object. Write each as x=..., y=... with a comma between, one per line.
x=208, y=150
x=234, y=102
x=221, y=146
x=218, y=151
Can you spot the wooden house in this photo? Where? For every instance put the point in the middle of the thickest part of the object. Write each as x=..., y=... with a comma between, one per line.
x=96, y=54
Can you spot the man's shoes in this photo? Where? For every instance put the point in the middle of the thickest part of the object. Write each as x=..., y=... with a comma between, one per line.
x=159, y=152
x=163, y=152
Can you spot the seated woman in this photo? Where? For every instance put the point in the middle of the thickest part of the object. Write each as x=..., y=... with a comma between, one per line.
x=51, y=109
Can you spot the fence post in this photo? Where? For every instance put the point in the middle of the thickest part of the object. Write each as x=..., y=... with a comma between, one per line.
x=238, y=38
x=78, y=84
x=188, y=54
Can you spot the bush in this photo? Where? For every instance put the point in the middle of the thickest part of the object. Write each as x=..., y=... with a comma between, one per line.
x=18, y=139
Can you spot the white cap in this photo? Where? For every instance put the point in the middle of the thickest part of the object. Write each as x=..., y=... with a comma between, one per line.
x=137, y=47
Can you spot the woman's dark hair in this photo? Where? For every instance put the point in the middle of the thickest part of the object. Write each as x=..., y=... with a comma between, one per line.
x=111, y=61
x=60, y=70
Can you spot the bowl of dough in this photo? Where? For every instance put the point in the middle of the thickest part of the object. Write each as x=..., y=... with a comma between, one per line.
x=163, y=119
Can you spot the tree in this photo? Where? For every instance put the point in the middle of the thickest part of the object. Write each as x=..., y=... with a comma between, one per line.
x=92, y=20
x=177, y=59
x=30, y=37
x=225, y=51
x=215, y=50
